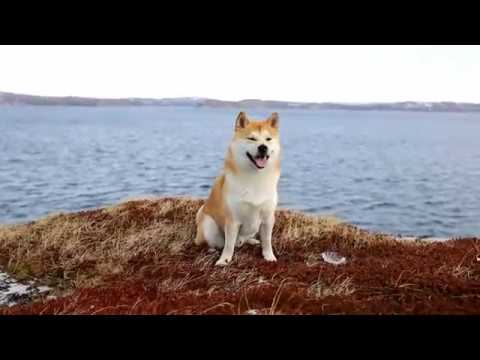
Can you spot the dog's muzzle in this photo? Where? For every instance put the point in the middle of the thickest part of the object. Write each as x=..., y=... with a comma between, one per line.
x=261, y=158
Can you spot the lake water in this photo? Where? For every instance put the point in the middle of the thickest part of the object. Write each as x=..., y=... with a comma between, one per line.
x=397, y=172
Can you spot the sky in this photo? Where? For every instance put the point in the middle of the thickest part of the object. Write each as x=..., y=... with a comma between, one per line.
x=351, y=74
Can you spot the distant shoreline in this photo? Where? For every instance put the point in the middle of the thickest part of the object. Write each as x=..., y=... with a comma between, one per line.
x=12, y=99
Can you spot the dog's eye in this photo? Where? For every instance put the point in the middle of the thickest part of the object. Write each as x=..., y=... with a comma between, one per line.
x=268, y=139
x=252, y=138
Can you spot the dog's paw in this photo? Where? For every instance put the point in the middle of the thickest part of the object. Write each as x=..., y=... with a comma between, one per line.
x=253, y=241
x=223, y=261
x=269, y=256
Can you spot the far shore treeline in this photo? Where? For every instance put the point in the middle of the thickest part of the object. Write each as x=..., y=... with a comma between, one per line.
x=11, y=99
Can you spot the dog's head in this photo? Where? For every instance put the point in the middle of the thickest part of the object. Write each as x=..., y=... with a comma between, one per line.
x=256, y=144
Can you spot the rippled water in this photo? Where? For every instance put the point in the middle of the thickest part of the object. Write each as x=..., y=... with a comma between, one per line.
x=399, y=172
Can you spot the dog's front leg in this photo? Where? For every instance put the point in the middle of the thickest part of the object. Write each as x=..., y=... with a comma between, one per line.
x=266, y=237
x=231, y=234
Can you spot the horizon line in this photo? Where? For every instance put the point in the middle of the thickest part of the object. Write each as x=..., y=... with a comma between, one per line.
x=244, y=99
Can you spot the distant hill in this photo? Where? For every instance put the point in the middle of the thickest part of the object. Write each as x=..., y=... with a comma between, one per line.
x=12, y=99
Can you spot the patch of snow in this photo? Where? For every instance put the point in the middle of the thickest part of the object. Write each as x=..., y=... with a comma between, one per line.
x=433, y=239
x=421, y=238
x=12, y=292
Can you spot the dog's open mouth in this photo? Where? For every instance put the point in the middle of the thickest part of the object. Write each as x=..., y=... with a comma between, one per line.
x=260, y=161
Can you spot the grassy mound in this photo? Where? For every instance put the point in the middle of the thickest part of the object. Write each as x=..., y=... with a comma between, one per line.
x=139, y=258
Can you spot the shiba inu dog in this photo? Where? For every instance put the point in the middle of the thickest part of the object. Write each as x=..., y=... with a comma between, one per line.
x=243, y=199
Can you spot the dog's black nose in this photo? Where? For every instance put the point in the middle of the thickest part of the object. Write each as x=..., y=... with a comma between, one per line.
x=262, y=149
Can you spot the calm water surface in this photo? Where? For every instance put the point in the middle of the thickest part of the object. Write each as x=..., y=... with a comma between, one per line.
x=398, y=172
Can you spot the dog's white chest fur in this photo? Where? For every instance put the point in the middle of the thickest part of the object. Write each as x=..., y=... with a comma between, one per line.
x=251, y=199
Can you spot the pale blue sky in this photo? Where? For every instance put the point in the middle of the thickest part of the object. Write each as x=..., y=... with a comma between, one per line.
x=296, y=73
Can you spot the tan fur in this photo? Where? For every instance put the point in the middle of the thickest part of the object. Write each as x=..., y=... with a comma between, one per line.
x=230, y=163
x=199, y=238
x=215, y=204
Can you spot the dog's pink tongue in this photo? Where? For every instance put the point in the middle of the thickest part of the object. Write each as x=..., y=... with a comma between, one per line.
x=261, y=162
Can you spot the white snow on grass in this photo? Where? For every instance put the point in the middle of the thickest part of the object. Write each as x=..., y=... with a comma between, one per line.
x=12, y=292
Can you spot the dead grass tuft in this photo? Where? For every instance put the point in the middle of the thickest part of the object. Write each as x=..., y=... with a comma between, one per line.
x=339, y=287
x=82, y=248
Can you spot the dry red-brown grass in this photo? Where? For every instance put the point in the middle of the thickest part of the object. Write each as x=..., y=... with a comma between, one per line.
x=139, y=258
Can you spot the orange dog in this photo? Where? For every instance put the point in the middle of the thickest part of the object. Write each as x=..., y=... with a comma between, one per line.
x=243, y=199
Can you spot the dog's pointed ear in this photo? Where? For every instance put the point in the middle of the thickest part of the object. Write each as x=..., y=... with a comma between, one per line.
x=274, y=120
x=242, y=121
